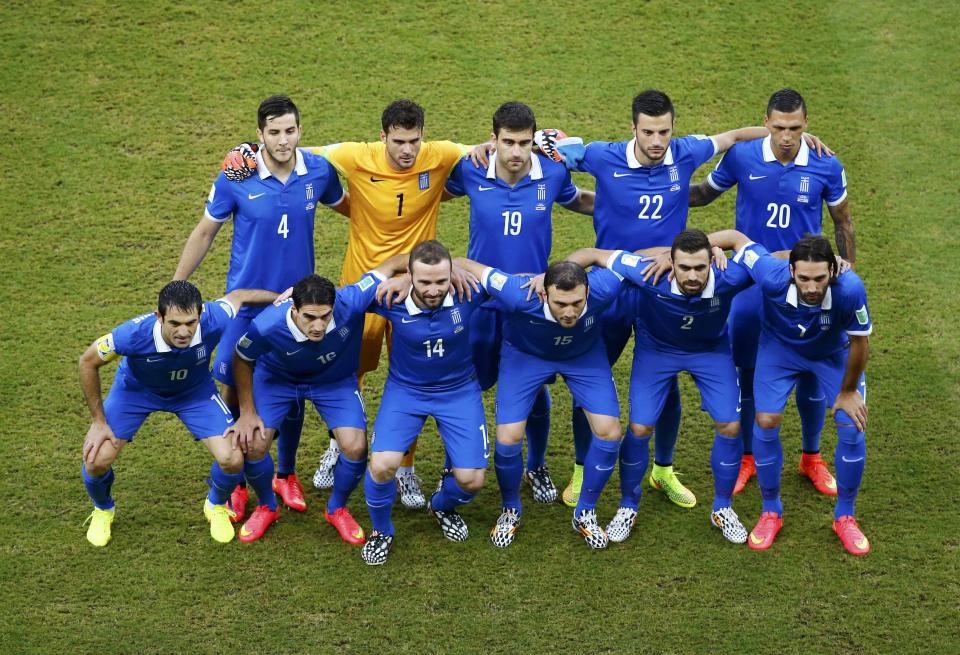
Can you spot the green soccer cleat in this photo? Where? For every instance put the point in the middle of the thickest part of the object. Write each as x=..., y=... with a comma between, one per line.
x=662, y=478
x=571, y=495
x=221, y=527
x=100, y=521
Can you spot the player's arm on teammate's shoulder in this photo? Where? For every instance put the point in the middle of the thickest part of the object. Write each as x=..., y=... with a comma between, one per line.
x=843, y=231
x=239, y=297
x=98, y=354
x=586, y=257
x=703, y=194
x=728, y=239
x=725, y=140
x=584, y=202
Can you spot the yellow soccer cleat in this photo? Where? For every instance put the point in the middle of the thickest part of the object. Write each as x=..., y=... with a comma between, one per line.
x=221, y=528
x=100, y=521
x=571, y=495
x=664, y=479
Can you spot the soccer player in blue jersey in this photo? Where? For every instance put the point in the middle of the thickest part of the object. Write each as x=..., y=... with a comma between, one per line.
x=680, y=325
x=560, y=335
x=782, y=187
x=273, y=214
x=814, y=322
x=642, y=188
x=511, y=204
x=165, y=368
x=308, y=348
x=431, y=374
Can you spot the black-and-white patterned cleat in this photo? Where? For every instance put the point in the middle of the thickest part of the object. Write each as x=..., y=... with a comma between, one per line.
x=377, y=548
x=323, y=477
x=411, y=496
x=586, y=524
x=451, y=524
x=621, y=525
x=544, y=491
x=729, y=524
x=504, y=532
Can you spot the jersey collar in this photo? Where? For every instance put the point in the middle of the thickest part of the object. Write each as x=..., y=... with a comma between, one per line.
x=707, y=292
x=299, y=336
x=164, y=347
x=300, y=167
x=633, y=162
x=794, y=299
x=412, y=308
x=802, y=158
x=536, y=170
x=547, y=315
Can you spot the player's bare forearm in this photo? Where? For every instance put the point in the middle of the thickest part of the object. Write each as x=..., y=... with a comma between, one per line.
x=702, y=194
x=586, y=257
x=243, y=379
x=394, y=266
x=857, y=358
x=843, y=231
x=196, y=248
x=239, y=297
x=90, y=364
x=728, y=239
x=725, y=140
x=584, y=203
x=474, y=268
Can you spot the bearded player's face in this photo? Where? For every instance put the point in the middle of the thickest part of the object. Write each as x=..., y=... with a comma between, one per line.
x=653, y=135
x=431, y=283
x=812, y=280
x=786, y=130
x=280, y=137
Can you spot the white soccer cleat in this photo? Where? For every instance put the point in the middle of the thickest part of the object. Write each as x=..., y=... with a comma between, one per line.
x=408, y=484
x=729, y=524
x=505, y=531
x=323, y=477
x=588, y=527
x=621, y=525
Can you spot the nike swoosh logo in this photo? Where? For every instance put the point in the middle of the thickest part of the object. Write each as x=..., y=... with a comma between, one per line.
x=244, y=531
x=294, y=352
x=412, y=320
x=373, y=179
x=728, y=464
x=851, y=461
x=601, y=468
x=862, y=544
x=486, y=188
x=622, y=174
x=154, y=359
x=757, y=177
x=754, y=539
x=251, y=196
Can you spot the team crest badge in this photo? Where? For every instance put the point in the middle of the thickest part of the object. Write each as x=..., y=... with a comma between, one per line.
x=424, y=181
x=309, y=189
x=201, y=352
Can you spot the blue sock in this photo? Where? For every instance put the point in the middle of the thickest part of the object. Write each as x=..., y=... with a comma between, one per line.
x=538, y=430
x=768, y=456
x=260, y=476
x=668, y=427
x=509, y=466
x=450, y=496
x=380, y=497
x=581, y=435
x=288, y=440
x=725, y=462
x=597, y=469
x=748, y=410
x=99, y=488
x=812, y=407
x=634, y=458
x=346, y=476
x=849, y=459
x=221, y=484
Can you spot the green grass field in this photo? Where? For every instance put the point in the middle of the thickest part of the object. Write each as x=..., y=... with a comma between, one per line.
x=118, y=115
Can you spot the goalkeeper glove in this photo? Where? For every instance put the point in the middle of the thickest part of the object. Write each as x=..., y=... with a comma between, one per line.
x=241, y=162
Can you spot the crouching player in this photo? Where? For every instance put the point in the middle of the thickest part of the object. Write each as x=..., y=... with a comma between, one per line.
x=815, y=321
x=431, y=374
x=541, y=340
x=165, y=368
x=307, y=348
x=680, y=326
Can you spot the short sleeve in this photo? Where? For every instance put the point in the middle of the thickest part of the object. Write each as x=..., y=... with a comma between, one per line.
x=504, y=287
x=702, y=148
x=455, y=184
x=450, y=154
x=836, y=191
x=724, y=175
x=343, y=156
x=736, y=276
x=859, y=322
x=358, y=297
x=123, y=335
x=761, y=265
x=604, y=284
x=252, y=344
x=221, y=203
x=568, y=190
x=628, y=265
x=333, y=190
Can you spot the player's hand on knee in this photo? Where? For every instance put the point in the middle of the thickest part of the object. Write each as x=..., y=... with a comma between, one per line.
x=97, y=435
x=719, y=258
x=853, y=404
x=393, y=290
x=816, y=144
x=535, y=286
x=241, y=161
x=657, y=267
x=464, y=283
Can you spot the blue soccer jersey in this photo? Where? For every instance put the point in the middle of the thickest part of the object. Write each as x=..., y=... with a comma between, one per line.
x=531, y=328
x=777, y=205
x=278, y=345
x=431, y=348
x=814, y=332
x=640, y=206
x=273, y=222
x=157, y=366
x=678, y=322
x=510, y=226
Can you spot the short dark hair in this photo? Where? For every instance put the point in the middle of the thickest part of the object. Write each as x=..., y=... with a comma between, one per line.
x=652, y=103
x=179, y=294
x=314, y=290
x=814, y=248
x=405, y=114
x=566, y=276
x=276, y=106
x=690, y=241
x=786, y=100
x=429, y=253
x=514, y=116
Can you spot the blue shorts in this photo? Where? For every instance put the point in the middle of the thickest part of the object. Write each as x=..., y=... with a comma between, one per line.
x=223, y=360
x=743, y=326
x=655, y=370
x=339, y=403
x=201, y=408
x=458, y=412
x=779, y=367
x=486, y=334
x=588, y=377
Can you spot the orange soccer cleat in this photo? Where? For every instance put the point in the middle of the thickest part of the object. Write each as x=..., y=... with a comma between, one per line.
x=851, y=536
x=258, y=523
x=291, y=491
x=238, y=504
x=350, y=531
x=762, y=536
x=747, y=470
x=813, y=467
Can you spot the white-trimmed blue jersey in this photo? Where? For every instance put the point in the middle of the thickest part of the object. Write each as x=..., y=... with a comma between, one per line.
x=431, y=348
x=675, y=321
x=154, y=364
x=640, y=206
x=280, y=347
x=273, y=222
x=813, y=332
x=511, y=226
x=531, y=328
x=777, y=205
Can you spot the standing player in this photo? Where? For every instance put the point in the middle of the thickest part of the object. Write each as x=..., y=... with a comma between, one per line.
x=511, y=203
x=165, y=368
x=431, y=374
x=642, y=201
x=681, y=325
x=273, y=214
x=396, y=185
x=782, y=188
x=815, y=322
x=560, y=335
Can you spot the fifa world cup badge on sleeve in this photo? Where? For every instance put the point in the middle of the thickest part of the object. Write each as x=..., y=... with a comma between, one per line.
x=244, y=342
x=750, y=258
x=630, y=260
x=365, y=283
x=497, y=280
x=862, y=317
x=106, y=350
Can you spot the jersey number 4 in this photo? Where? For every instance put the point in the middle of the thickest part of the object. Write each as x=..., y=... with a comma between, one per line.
x=282, y=228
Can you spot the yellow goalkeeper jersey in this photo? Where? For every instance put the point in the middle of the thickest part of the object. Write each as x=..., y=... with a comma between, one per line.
x=390, y=211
